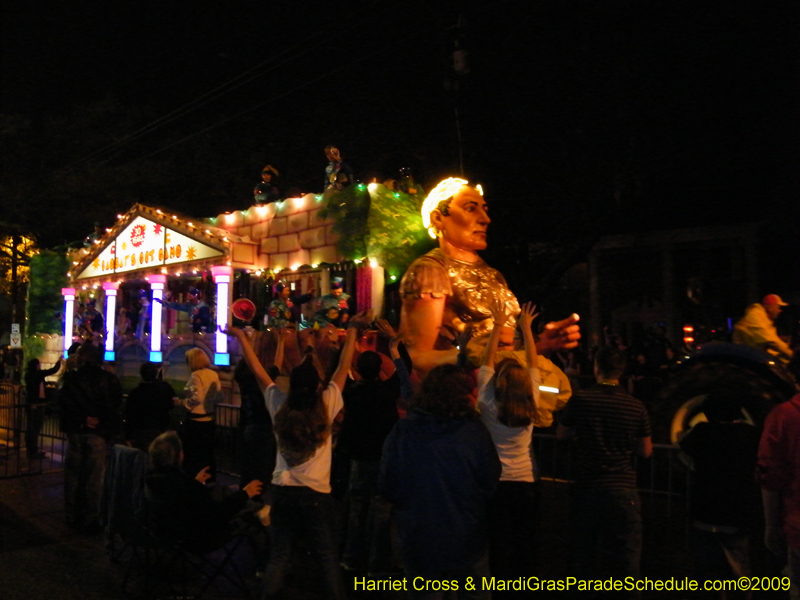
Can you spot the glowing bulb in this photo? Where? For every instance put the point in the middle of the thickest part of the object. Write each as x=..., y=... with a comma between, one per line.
x=373, y=263
x=392, y=277
x=299, y=202
x=230, y=218
x=372, y=187
x=295, y=267
x=315, y=265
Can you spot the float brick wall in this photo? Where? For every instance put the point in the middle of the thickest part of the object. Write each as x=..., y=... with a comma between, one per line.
x=289, y=233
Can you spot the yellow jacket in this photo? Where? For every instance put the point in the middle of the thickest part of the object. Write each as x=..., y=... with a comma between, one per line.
x=756, y=329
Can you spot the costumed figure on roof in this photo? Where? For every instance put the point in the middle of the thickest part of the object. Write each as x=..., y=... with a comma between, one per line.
x=333, y=308
x=266, y=190
x=451, y=289
x=93, y=237
x=285, y=308
x=338, y=174
x=196, y=307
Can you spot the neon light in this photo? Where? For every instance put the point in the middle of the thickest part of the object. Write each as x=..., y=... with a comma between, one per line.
x=222, y=277
x=111, y=316
x=222, y=360
x=157, y=285
x=69, y=307
x=109, y=356
x=156, y=357
x=552, y=390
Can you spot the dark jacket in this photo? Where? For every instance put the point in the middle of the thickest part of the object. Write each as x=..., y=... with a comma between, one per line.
x=34, y=379
x=440, y=475
x=148, y=407
x=89, y=391
x=183, y=509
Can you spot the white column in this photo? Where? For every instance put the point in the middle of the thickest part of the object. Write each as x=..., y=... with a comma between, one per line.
x=110, y=289
x=378, y=285
x=69, y=317
x=222, y=277
x=157, y=285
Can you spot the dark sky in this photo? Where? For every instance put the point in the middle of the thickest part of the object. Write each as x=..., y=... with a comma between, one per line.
x=655, y=113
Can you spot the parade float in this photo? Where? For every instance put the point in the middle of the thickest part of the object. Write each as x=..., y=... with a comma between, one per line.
x=153, y=260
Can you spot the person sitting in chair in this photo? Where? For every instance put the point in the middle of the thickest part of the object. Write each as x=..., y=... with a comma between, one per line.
x=182, y=508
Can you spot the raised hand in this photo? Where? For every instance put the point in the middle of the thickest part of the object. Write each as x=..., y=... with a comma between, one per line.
x=526, y=317
x=560, y=335
x=385, y=328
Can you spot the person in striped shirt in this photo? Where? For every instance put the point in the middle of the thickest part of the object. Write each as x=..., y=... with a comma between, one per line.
x=610, y=428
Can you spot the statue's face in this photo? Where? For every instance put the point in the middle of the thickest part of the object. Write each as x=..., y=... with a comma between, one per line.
x=467, y=220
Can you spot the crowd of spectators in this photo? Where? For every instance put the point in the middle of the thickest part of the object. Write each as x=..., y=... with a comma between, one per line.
x=432, y=475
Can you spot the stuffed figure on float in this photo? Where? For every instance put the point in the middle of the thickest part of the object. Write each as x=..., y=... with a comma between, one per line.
x=451, y=288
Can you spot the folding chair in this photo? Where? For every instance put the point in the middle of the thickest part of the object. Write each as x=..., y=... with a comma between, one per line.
x=122, y=510
x=210, y=566
x=212, y=561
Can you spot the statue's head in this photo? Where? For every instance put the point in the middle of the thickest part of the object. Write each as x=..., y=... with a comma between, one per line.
x=457, y=213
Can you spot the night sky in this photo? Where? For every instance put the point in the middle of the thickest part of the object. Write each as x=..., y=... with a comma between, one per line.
x=580, y=118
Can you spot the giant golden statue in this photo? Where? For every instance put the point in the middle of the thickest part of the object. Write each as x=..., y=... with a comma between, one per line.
x=452, y=288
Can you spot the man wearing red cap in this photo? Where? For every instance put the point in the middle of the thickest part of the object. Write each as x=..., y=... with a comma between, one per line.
x=757, y=327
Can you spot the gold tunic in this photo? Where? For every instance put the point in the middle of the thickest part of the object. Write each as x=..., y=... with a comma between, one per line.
x=471, y=290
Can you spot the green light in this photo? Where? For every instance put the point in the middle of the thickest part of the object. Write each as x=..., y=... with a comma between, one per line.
x=393, y=277
x=360, y=186
x=396, y=195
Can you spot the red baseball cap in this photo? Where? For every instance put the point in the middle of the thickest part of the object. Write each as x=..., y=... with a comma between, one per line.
x=773, y=299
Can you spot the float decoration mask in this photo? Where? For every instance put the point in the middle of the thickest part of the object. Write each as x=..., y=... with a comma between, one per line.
x=439, y=198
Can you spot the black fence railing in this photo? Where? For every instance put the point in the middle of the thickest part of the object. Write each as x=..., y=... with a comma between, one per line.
x=14, y=461
x=662, y=475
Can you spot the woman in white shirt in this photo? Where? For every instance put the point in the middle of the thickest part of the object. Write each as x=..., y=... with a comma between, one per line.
x=201, y=395
x=301, y=492
x=507, y=399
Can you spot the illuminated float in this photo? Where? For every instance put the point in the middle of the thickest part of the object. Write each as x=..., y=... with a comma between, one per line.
x=364, y=234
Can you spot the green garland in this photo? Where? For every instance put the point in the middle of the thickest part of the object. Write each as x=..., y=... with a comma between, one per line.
x=396, y=235
x=381, y=224
x=350, y=208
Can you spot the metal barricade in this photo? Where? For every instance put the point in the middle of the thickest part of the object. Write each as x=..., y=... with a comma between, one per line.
x=661, y=475
x=227, y=439
x=14, y=461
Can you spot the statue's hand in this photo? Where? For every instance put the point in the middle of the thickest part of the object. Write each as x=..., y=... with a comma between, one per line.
x=559, y=335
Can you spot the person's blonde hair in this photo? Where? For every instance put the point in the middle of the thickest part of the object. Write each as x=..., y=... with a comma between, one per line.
x=197, y=359
x=443, y=192
x=514, y=394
